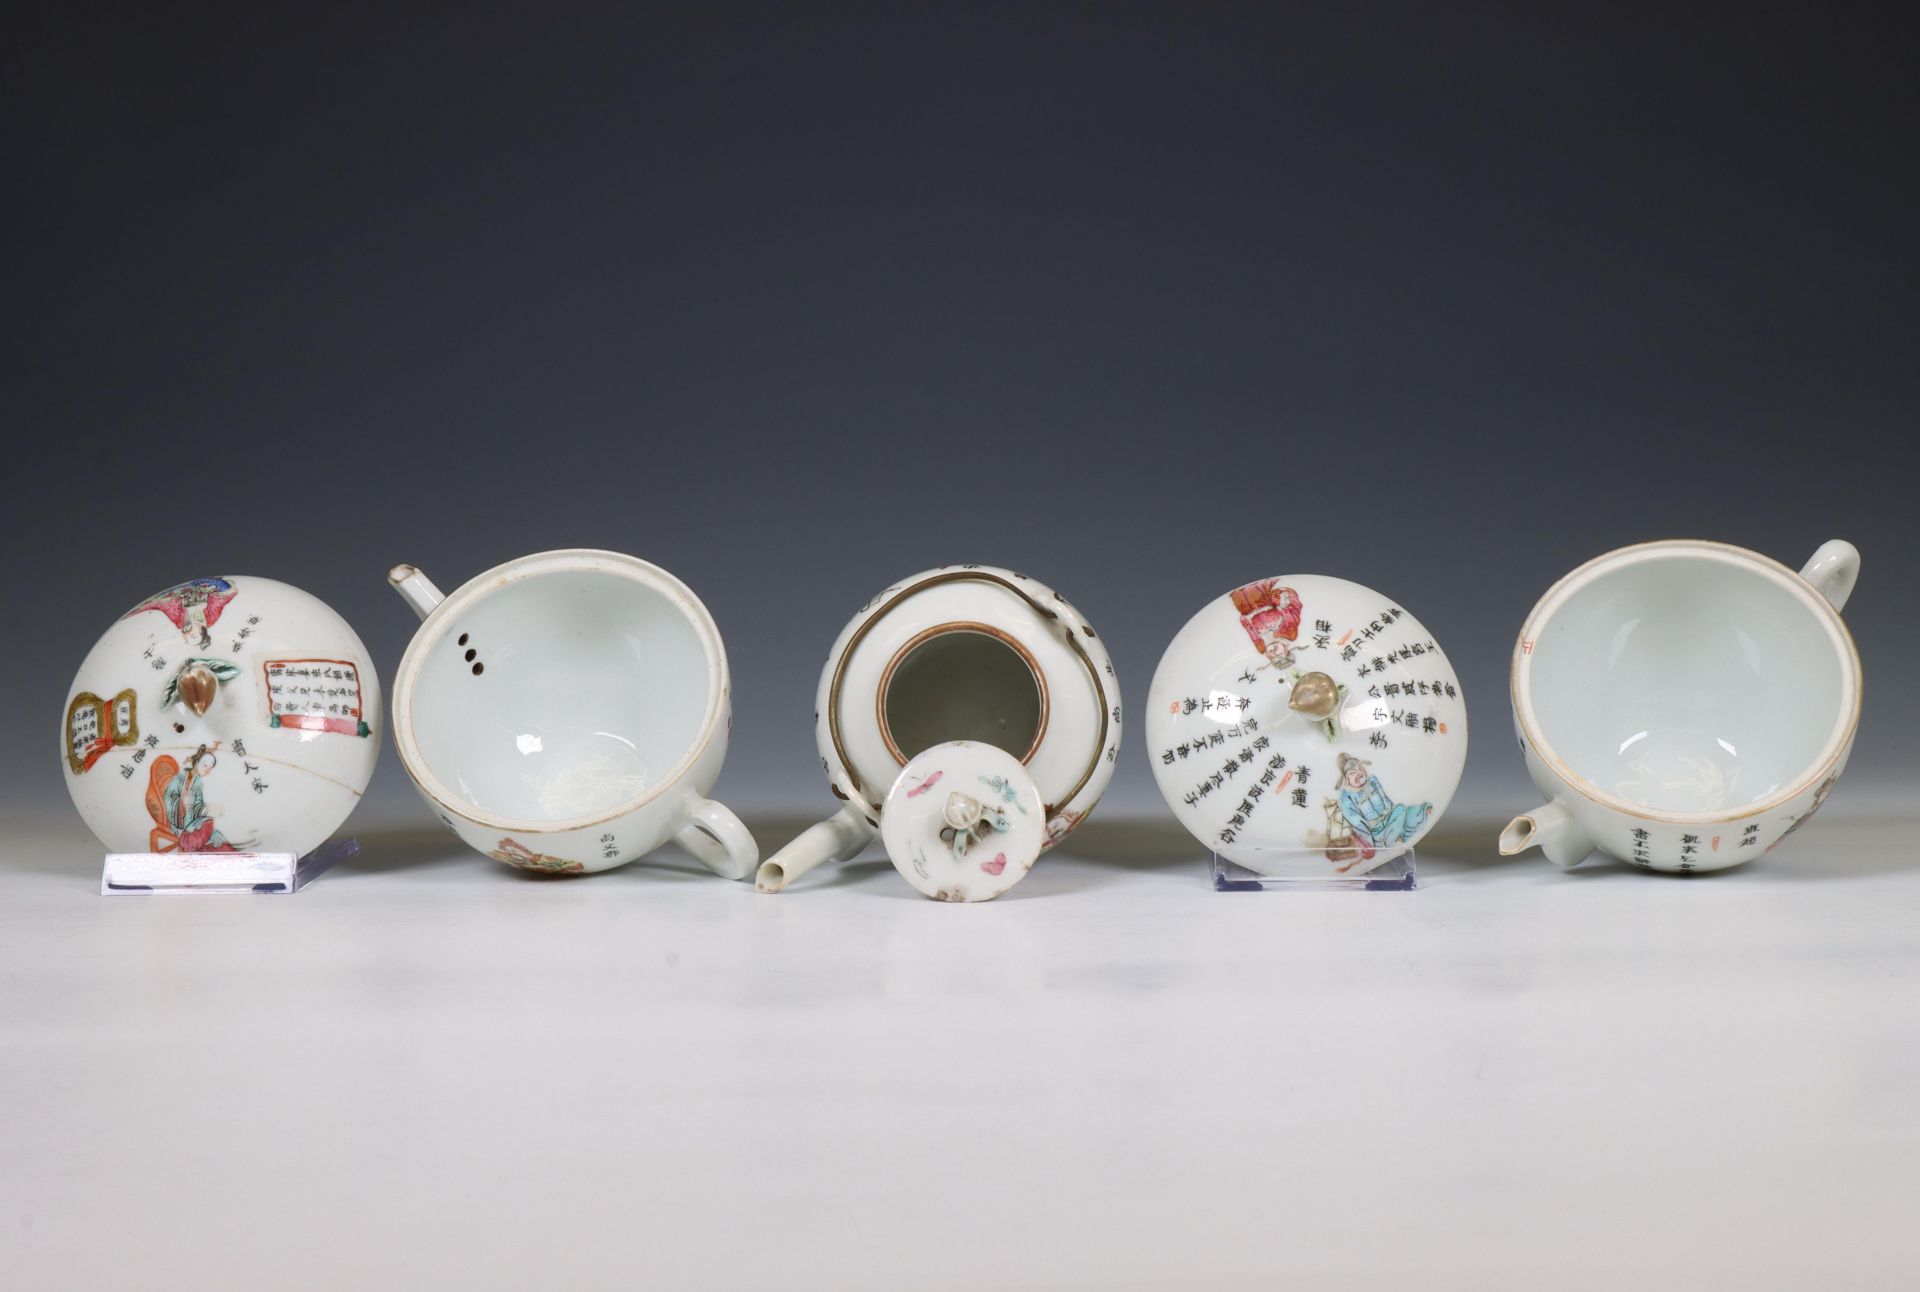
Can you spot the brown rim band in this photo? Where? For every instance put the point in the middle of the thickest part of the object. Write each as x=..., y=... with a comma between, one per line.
x=941, y=630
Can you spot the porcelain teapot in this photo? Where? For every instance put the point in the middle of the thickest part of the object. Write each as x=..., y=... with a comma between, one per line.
x=568, y=712
x=1684, y=706
x=959, y=653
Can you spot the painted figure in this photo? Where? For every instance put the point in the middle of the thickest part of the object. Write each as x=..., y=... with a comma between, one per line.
x=1271, y=616
x=524, y=858
x=1377, y=821
x=193, y=607
x=1819, y=797
x=1343, y=850
x=177, y=802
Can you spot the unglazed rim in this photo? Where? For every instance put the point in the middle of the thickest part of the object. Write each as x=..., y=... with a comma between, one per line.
x=434, y=631
x=1521, y=674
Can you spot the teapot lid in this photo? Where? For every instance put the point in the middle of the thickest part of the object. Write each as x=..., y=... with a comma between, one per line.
x=963, y=822
x=1304, y=715
x=226, y=713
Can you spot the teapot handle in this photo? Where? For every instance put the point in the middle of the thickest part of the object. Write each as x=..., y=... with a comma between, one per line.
x=1832, y=570
x=717, y=838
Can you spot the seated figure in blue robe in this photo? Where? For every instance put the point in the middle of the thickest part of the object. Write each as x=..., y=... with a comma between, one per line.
x=1376, y=819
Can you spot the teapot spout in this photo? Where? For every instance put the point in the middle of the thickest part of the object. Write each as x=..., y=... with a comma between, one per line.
x=416, y=588
x=1554, y=829
x=839, y=838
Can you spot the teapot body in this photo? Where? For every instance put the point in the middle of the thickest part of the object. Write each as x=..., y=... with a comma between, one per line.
x=568, y=712
x=970, y=652
x=627, y=833
x=1572, y=825
x=1684, y=705
x=958, y=654
x=224, y=714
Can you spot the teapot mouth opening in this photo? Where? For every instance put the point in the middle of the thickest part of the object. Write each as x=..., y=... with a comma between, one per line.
x=963, y=680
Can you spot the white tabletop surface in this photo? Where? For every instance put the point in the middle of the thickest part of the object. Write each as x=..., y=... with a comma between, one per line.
x=427, y=1070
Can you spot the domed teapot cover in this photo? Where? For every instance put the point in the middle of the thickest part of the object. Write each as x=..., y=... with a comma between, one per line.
x=964, y=822
x=222, y=715
x=1306, y=715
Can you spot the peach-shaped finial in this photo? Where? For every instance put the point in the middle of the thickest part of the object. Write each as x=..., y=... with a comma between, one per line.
x=196, y=687
x=1315, y=695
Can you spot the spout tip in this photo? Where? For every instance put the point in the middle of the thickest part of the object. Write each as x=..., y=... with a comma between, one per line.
x=771, y=877
x=400, y=574
x=1518, y=836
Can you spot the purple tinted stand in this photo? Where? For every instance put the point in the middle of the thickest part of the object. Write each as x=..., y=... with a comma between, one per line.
x=185, y=874
x=1304, y=871
x=322, y=859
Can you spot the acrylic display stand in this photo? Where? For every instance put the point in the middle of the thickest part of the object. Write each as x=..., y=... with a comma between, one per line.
x=1303, y=870
x=148, y=874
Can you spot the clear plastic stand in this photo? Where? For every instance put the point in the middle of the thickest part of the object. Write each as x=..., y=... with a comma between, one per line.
x=146, y=874
x=1313, y=870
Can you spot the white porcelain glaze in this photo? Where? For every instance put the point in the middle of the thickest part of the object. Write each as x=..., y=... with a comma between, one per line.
x=1684, y=705
x=959, y=652
x=568, y=712
x=1306, y=714
x=234, y=713
x=963, y=822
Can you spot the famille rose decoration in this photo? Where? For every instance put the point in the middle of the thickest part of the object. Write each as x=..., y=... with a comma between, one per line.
x=1684, y=706
x=232, y=714
x=963, y=653
x=568, y=712
x=1306, y=716
x=963, y=822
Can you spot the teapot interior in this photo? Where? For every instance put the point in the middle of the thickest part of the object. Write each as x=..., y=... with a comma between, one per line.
x=962, y=682
x=560, y=695
x=1687, y=683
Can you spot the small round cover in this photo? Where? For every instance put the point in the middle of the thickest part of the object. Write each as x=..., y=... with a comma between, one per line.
x=227, y=714
x=1306, y=715
x=963, y=822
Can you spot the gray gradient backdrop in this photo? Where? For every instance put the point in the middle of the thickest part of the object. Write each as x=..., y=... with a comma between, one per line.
x=1145, y=302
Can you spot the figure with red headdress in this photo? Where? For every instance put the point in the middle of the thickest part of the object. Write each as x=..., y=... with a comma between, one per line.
x=1271, y=615
x=193, y=607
